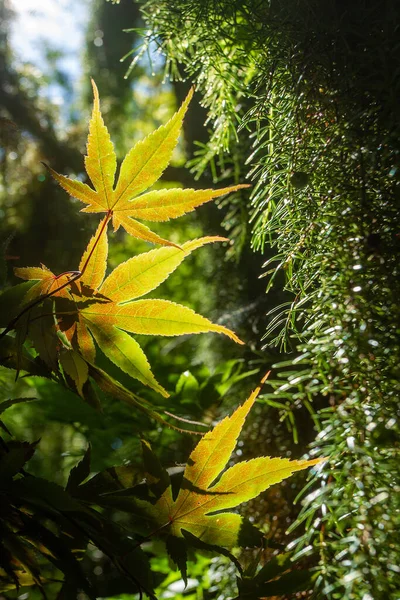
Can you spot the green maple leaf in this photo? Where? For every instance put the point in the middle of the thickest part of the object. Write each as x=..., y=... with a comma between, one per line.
x=107, y=309
x=141, y=168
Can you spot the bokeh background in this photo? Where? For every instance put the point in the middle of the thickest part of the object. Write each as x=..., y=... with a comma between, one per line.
x=301, y=100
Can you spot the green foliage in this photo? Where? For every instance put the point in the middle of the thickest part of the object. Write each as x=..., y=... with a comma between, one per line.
x=54, y=524
x=273, y=580
x=61, y=314
x=49, y=324
x=45, y=529
x=307, y=92
x=189, y=511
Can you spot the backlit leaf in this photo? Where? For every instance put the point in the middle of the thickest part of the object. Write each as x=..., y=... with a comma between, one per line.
x=42, y=332
x=154, y=317
x=85, y=342
x=162, y=205
x=201, y=506
x=111, y=312
x=93, y=263
x=88, y=307
x=106, y=311
x=76, y=367
x=143, y=273
x=101, y=161
x=141, y=168
x=125, y=352
x=48, y=282
x=147, y=160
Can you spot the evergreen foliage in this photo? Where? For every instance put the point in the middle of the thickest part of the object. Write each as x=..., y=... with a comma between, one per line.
x=301, y=98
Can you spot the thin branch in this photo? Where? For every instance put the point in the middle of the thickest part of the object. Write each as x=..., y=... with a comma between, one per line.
x=77, y=275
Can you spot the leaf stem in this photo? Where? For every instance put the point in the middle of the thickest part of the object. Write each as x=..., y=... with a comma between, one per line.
x=186, y=421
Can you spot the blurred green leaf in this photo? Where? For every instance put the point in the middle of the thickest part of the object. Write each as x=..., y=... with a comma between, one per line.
x=12, y=460
x=79, y=473
x=7, y=403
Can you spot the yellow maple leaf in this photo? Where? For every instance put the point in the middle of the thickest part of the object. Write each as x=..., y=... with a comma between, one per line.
x=141, y=168
x=107, y=310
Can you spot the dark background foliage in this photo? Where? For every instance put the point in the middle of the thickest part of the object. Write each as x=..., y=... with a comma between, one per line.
x=301, y=100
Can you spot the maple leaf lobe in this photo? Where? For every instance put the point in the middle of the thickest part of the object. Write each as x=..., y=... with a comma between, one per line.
x=101, y=160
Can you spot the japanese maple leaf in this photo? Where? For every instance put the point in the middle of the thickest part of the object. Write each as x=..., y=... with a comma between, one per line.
x=106, y=309
x=47, y=282
x=141, y=168
x=207, y=492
